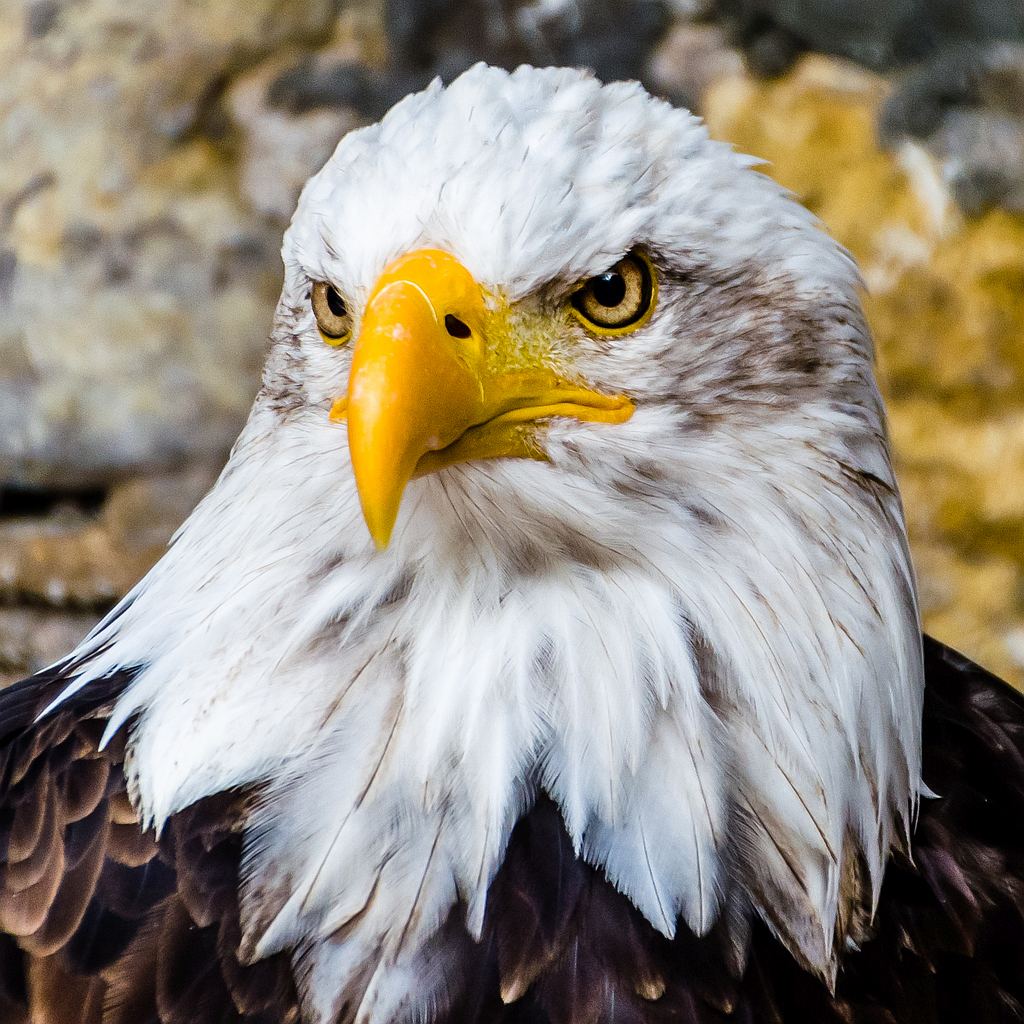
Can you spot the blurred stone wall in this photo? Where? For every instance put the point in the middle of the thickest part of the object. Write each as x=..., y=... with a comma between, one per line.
x=151, y=155
x=946, y=305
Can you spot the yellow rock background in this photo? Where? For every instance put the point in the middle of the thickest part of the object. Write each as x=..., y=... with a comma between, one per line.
x=946, y=304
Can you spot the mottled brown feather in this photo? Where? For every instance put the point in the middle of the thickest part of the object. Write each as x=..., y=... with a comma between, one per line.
x=121, y=811
x=22, y=912
x=58, y=997
x=21, y=874
x=129, y=845
x=29, y=817
x=72, y=898
x=80, y=835
x=36, y=741
x=86, y=783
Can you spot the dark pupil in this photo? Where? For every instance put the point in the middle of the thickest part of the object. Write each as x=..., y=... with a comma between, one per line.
x=335, y=303
x=609, y=289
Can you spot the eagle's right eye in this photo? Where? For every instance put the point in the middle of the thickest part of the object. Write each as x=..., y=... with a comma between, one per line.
x=332, y=314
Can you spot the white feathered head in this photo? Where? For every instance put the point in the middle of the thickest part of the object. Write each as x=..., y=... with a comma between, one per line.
x=569, y=472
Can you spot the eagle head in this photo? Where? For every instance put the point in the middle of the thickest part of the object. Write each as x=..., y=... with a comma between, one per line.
x=568, y=474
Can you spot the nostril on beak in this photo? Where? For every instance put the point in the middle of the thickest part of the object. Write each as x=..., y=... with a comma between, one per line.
x=455, y=327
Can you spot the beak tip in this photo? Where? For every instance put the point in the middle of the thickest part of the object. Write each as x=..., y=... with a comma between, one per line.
x=381, y=524
x=380, y=484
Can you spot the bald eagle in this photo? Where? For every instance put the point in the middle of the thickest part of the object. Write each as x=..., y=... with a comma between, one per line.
x=548, y=649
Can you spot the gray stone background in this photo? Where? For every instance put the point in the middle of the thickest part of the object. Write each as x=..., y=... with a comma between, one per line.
x=151, y=154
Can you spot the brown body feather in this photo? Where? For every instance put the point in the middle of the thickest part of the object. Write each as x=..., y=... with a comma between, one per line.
x=107, y=925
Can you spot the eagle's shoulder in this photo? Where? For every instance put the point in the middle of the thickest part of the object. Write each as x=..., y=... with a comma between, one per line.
x=101, y=921
x=946, y=942
x=948, y=939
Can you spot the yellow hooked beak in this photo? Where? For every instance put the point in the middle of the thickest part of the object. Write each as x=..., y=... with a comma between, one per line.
x=421, y=393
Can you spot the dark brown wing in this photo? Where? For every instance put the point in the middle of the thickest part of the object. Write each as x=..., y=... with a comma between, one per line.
x=950, y=932
x=948, y=945
x=103, y=923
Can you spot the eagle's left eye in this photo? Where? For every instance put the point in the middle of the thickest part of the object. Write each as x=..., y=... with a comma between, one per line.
x=620, y=300
x=333, y=316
